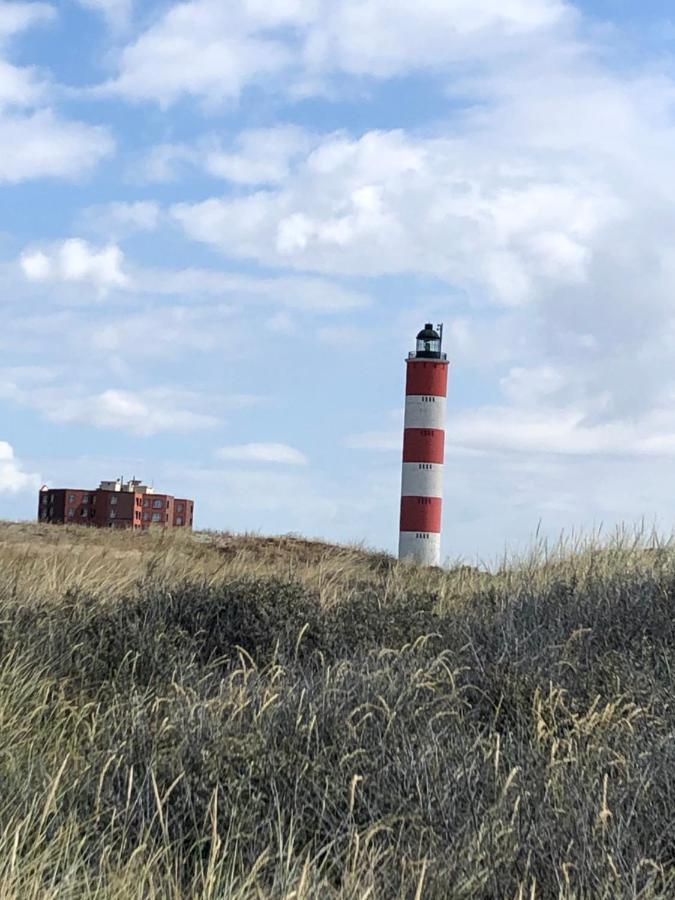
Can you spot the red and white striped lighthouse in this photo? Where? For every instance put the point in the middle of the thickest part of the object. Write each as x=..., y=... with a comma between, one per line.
x=423, y=449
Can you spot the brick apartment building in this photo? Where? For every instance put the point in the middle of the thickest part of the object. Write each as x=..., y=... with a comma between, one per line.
x=114, y=504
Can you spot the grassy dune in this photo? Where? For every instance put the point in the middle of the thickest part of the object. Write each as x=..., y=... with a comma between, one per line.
x=218, y=716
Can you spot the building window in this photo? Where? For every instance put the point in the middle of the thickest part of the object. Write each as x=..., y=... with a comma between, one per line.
x=179, y=520
x=113, y=514
x=157, y=504
x=71, y=498
x=71, y=513
x=179, y=507
x=113, y=501
x=83, y=512
x=156, y=517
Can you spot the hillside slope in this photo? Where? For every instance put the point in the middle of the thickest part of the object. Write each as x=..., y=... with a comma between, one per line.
x=221, y=716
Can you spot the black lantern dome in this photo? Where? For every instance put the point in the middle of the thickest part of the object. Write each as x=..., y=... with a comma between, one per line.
x=428, y=343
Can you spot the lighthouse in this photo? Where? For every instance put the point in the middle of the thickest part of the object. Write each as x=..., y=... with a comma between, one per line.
x=423, y=449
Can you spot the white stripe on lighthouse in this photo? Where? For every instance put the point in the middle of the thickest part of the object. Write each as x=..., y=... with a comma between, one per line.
x=422, y=480
x=423, y=548
x=425, y=412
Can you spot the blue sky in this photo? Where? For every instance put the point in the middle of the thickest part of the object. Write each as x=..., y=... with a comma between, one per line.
x=221, y=225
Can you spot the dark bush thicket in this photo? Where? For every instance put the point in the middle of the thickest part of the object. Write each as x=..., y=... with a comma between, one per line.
x=517, y=740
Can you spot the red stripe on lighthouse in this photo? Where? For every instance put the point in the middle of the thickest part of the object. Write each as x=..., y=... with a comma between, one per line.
x=423, y=445
x=421, y=514
x=427, y=378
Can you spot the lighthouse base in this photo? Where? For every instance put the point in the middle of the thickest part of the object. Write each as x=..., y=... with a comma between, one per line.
x=420, y=547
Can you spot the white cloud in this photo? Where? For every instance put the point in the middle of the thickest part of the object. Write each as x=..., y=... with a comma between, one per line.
x=211, y=50
x=342, y=336
x=117, y=12
x=388, y=203
x=550, y=430
x=165, y=332
x=116, y=220
x=281, y=323
x=36, y=266
x=254, y=156
x=13, y=478
x=560, y=430
x=376, y=440
x=267, y=453
x=42, y=145
x=76, y=260
x=173, y=315
x=144, y=412
x=261, y=156
x=163, y=163
x=488, y=341
x=36, y=142
x=19, y=87
x=529, y=387
x=384, y=38
x=306, y=294
x=17, y=17
x=202, y=49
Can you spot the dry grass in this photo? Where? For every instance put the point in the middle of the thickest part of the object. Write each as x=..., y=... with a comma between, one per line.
x=236, y=717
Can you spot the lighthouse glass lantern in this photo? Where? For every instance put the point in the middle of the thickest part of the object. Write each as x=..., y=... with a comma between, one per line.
x=428, y=343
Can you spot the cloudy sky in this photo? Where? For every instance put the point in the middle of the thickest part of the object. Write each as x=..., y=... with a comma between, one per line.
x=221, y=225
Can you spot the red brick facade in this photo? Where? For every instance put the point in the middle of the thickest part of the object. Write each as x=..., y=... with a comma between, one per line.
x=113, y=509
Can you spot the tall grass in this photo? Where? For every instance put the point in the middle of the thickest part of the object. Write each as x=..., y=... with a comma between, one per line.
x=235, y=717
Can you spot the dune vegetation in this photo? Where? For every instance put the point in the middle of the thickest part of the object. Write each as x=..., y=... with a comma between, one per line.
x=219, y=716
